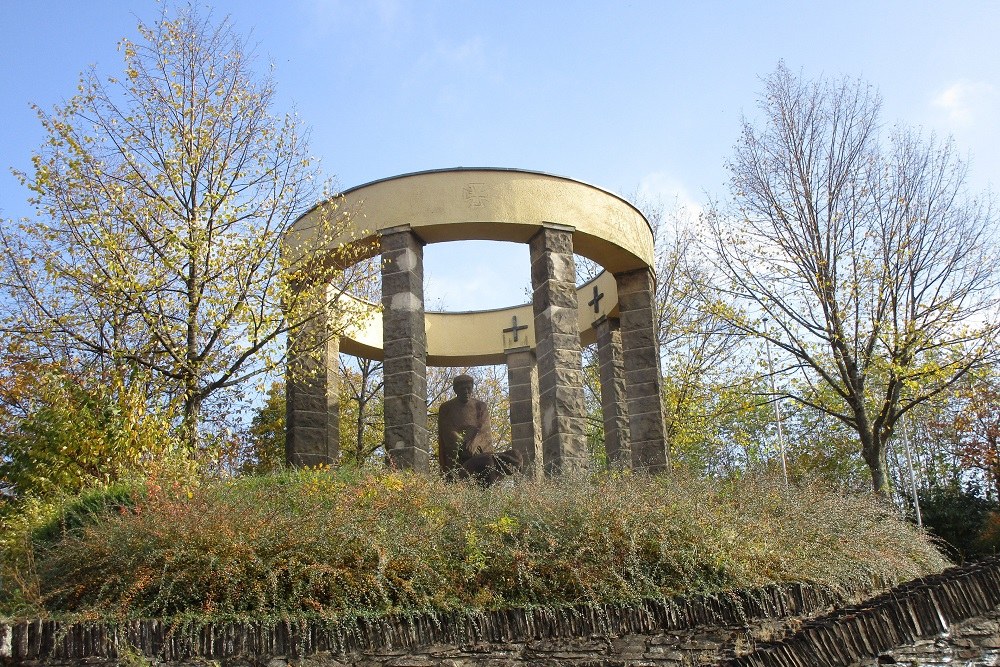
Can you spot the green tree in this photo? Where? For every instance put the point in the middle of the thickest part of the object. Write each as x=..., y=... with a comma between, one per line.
x=973, y=422
x=718, y=428
x=162, y=197
x=69, y=433
x=821, y=447
x=264, y=449
x=963, y=519
x=929, y=429
x=864, y=261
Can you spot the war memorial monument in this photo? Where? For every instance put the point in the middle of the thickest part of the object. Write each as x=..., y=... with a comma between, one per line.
x=540, y=342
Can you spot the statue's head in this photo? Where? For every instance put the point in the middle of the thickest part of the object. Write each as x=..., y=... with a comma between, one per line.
x=463, y=387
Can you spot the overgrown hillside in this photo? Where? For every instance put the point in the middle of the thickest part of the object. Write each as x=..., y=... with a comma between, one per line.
x=359, y=543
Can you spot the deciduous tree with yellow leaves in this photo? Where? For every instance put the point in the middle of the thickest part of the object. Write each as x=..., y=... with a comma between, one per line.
x=162, y=195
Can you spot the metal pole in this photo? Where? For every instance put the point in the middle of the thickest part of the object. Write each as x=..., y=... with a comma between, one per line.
x=913, y=478
x=777, y=412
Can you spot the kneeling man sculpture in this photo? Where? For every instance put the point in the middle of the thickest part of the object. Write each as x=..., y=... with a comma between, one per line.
x=465, y=439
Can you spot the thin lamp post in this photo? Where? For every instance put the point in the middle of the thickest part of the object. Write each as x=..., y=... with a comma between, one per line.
x=913, y=478
x=777, y=411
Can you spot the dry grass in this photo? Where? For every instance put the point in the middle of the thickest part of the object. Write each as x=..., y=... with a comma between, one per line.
x=358, y=543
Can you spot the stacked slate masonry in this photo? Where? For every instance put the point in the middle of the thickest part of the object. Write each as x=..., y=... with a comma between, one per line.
x=557, y=331
x=405, y=344
x=928, y=622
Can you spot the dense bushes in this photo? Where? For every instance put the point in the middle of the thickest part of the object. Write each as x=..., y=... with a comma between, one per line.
x=345, y=543
x=60, y=433
x=966, y=523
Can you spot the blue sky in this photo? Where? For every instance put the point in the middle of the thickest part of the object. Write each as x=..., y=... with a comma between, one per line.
x=630, y=96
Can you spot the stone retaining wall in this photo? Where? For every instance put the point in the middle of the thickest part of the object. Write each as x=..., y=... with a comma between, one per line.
x=778, y=626
x=667, y=632
x=923, y=609
x=974, y=643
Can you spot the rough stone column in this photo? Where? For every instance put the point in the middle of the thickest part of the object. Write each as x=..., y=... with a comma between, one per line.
x=641, y=352
x=405, y=345
x=612, y=369
x=312, y=397
x=557, y=336
x=522, y=381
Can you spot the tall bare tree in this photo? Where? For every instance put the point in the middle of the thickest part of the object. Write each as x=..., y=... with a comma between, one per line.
x=161, y=198
x=362, y=383
x=864, y=259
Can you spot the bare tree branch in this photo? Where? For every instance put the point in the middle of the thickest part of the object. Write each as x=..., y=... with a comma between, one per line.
x=871, y=264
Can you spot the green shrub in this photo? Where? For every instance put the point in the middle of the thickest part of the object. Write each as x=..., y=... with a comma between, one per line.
x=966, y=523
x=72, y=514
x=80, y=433
x=359, y=542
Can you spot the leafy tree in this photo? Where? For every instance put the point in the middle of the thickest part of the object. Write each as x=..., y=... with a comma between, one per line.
x=956, y=437
x=162, y=198
x=976, y=425
x=872, y=264
x=264, y=439
x=934, y=443
x=820, y=447
x=718, y=429
x=71, y=433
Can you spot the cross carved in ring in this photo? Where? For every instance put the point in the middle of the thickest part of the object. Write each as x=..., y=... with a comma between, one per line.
x=514, y=328
x=596, y=301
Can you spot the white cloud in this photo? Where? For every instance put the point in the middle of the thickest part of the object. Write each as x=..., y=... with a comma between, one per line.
x=660, y=187
x=470, y=53
x=966, y=102
x=330, y=16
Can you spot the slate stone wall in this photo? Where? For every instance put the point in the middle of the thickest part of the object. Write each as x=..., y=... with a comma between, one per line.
x=525, y=428
x=665, y=632
x=313, y=398
x=643, y=384
x=404, y=340
x=974, y=643
x=557, y=340
x=952, y=618
x=617, y=439
x=923, y=609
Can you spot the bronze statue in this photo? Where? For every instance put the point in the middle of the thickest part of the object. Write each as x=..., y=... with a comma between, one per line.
x=465, y=439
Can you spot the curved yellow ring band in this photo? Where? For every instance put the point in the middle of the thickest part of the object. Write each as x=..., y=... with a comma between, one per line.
x=491, y=205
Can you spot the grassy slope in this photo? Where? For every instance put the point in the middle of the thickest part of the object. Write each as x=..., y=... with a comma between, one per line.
x=343, y=543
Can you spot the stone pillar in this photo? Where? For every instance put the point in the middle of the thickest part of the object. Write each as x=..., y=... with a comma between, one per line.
x=405, y=345
x=643, y=385
x=522, y=381
x=612, y=371
x=557, y=336
x=312, y=397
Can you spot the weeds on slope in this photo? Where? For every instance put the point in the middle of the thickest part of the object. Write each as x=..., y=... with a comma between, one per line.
x=348, y=543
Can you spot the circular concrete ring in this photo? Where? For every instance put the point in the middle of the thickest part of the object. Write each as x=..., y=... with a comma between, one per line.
x=489, y=205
